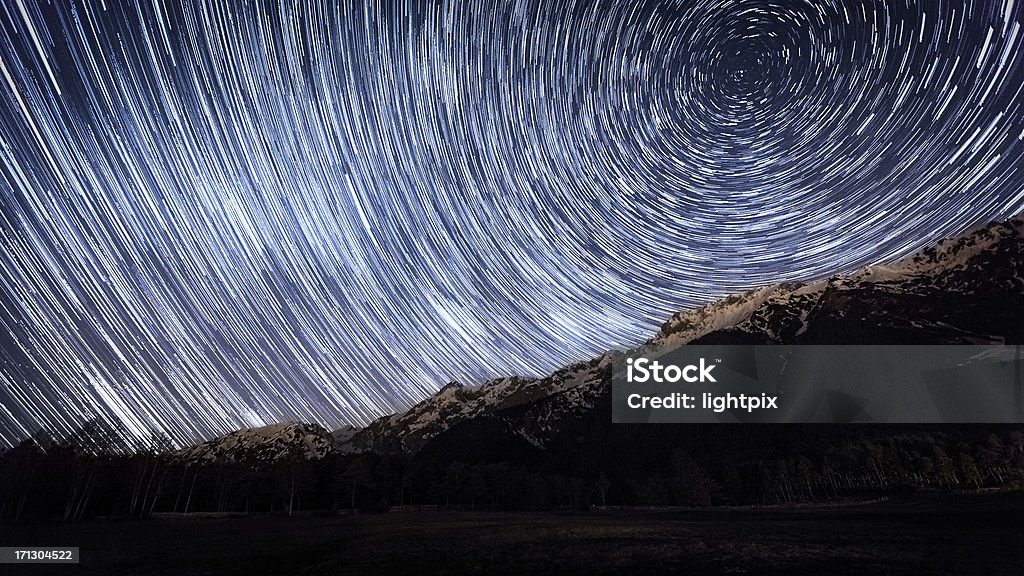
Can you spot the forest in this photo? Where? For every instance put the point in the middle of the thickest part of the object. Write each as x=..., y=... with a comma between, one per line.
x=91, y=474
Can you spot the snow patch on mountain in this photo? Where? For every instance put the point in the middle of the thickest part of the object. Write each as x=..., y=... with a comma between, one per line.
x=687, y=325
x=456, y=403
x=264, y=444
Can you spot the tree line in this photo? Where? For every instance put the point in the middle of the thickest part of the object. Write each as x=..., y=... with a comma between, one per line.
x=93, y=473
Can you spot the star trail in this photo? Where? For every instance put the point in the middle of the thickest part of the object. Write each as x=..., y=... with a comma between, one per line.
x=221, y=214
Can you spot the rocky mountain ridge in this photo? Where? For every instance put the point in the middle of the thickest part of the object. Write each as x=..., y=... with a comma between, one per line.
x=967, y=289
x=297, y=440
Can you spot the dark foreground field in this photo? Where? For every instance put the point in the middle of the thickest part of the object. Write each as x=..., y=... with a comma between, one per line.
x=956, y=535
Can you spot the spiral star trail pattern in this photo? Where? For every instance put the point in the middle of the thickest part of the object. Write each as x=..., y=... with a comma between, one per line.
x=217, y=214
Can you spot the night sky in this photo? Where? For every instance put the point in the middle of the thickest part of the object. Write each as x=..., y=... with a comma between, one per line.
x=225, y=214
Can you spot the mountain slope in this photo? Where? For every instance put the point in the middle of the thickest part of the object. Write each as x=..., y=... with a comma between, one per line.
x=264, y=444
x=967, y=289
x=952, y=292
x=454, y=403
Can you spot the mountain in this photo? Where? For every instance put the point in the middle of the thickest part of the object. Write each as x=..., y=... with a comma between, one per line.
x=960, y=291
x=455, y=403
x=342, y=436
x=964, y=290
x=264, y=444
x=967, y=289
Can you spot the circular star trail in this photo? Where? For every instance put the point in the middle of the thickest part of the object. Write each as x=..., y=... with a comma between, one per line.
x=216, y=214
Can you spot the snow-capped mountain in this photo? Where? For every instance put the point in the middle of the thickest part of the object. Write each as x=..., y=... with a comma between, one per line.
x=968, y=289
x=264, y=444
x=688, y=325
x=455, y=403
x=953, y=292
